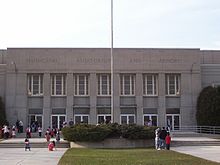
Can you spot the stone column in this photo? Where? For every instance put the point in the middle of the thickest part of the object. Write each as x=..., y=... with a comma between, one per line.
x=69, y=97
x=93, y=95
x=46, y=101
x=116, y=93
x=161, y=100
x=139, y=98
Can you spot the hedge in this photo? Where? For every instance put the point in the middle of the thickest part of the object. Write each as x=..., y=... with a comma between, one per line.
x=95, y=133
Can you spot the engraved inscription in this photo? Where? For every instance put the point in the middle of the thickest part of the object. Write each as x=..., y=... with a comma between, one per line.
x=171, y=60
x=93, y=60
x=41, y=60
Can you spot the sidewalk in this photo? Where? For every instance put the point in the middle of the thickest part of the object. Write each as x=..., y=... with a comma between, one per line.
x=37, y=156
x=206, y=152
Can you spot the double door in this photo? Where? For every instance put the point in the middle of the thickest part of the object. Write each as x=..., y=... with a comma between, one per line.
x=57, y=121
x=173, y=121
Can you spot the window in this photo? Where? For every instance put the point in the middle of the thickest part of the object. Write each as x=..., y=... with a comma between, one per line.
x=104, y=84
x=81, y=85
x=127, y=84
x=35, y=85
x=81, y=119
x=150, y=120
x=172, y=84
x=102, y=118
x=150, y=82
x=58, y=84
x=127, y=119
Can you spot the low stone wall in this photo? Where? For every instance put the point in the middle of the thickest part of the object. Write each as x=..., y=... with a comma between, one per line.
x=114, y=143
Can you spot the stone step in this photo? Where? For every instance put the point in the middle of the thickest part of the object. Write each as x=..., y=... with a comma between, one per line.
x=194, y=143
x=193, y=134
x=34, y=145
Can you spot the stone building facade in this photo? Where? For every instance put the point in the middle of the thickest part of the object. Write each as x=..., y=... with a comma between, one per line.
x=53, y=85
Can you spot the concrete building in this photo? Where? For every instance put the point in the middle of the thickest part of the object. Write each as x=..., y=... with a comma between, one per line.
x=53, y=85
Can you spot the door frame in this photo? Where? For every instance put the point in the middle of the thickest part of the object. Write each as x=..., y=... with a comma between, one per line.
x=173, y=115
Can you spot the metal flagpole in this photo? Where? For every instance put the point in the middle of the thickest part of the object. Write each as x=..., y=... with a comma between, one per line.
x=112, y=73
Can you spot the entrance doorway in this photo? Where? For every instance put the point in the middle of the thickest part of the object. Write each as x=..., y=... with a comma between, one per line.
x=173, y=121
x=35, y=121
x=57, y=121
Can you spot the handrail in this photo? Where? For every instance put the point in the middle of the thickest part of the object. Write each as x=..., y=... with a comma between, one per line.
x=199, y=129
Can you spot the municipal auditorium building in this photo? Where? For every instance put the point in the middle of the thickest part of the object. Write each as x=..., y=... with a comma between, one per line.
x=53, y=85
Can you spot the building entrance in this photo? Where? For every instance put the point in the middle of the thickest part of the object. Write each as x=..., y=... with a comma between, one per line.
x=173, y=121
x=57, y=121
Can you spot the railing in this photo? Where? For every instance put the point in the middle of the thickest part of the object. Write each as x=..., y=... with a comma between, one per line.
x=199, y=129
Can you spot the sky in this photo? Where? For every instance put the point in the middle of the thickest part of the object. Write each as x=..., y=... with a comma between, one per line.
x=87, y=23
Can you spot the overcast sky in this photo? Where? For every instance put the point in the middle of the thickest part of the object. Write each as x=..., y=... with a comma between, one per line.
x=86, y=23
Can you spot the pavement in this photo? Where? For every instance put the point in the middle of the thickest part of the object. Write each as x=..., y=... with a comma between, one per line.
x=206, y=152
x=18, y=156
x=37, y=156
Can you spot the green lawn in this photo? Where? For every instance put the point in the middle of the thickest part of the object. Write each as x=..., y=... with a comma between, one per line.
x=128, y=157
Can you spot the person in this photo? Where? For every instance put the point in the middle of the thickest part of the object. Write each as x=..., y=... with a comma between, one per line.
x=47, y=135
x=28, y=132
x=162, y=137
x=39, y=131
x=27, y=144
x=50, y=146
x=168, y=141
x=71, y=122
x=58, y=136
x=149, y=124
x=5, y=131
x=157, y=133
x=17, y=126
x=21, y=126
x=54, y=144
x=13, y=131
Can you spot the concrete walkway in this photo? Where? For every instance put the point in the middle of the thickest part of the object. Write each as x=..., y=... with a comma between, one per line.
x=206, y=152
x=37, y=156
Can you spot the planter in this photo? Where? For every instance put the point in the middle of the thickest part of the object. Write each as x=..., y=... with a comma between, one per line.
x=114, y=143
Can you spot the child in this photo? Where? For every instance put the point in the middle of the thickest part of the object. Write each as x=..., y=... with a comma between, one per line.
x=27, y=144
x=39, y=131
x=50, y=146
x=13, y=132
x=58, y=137
x=168, y=140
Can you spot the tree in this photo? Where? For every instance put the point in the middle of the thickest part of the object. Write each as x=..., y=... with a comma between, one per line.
x=208, y=107
x=2, y=113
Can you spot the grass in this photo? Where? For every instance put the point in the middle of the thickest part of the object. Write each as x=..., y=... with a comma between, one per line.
x=129, y=157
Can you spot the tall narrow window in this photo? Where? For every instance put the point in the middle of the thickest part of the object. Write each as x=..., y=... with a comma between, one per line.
x=104, y=84
x=35, y=84
x=81, y=83
x=58, y=84
x=150, y=82
x=127, y=84
x=172, y=84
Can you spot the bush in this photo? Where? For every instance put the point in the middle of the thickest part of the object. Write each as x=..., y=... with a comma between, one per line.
x=92, y=133
x=84, y=132
x=137, y=132
x=208, y=107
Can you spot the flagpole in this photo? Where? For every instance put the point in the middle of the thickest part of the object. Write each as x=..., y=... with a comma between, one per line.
x=112, y=69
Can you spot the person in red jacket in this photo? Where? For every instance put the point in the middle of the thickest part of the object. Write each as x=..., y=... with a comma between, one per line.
x=168, y=141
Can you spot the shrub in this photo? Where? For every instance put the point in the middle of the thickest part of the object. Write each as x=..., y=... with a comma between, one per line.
x=137, y=132
x=208, y=107
x=2, y=113
x=92, y=133
x=84, y=132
